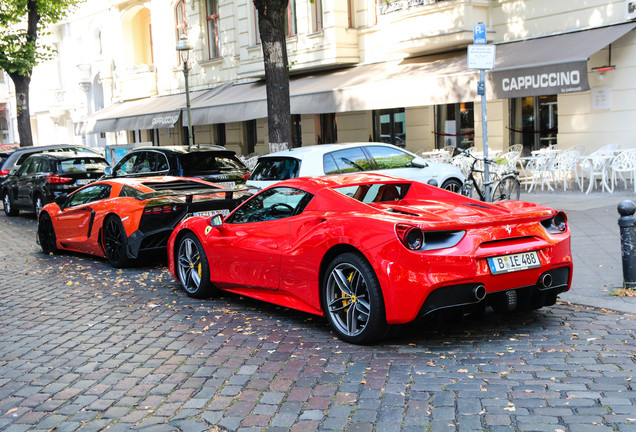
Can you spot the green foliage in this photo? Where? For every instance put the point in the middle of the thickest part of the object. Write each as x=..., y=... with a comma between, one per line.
x=20, y=23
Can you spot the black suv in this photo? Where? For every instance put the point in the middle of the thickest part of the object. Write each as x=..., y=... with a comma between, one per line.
x=211, y=163
x=17, y=157
x=44, y=176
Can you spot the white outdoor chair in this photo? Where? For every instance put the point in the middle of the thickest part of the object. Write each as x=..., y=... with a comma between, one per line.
x=595, y=166
x=507, y=161
x=565, y=166
x=539, y=171
x=623, y=163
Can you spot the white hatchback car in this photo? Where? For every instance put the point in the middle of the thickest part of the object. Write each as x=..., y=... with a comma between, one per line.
x=381, y=158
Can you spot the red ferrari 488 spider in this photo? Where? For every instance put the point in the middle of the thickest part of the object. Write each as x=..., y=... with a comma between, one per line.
x=120, y=218
x=368, y=251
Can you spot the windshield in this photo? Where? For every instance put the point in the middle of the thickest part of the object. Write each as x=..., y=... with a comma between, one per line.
x=208, y=162
x=275, y=169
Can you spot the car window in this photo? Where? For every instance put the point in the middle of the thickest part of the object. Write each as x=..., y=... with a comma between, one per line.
x=198, y=163
x=376, y=192
x=350, y=160
x=275, y=203
x=126, y=164
x=40, y=165
x=81, y=165
x=389, y=158
x=27, y=167
x=128, y=191
x=89, y=194
x=275, y=169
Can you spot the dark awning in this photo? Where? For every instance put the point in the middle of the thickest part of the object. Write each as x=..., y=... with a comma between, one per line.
x=412, y=82
x=549, y=65
x=151, y=113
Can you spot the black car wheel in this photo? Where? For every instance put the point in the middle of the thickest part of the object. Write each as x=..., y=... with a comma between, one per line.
x=352, y=300
x=46, y=234
x=192, y=267
x=9, y=208
x=452, y=185
x=115, y=242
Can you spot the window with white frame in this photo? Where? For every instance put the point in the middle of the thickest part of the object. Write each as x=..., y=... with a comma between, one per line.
x=316, y=15
x=212, y=18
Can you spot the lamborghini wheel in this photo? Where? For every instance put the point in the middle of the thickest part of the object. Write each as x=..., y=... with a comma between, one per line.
x=115, y=242
x=46, y=234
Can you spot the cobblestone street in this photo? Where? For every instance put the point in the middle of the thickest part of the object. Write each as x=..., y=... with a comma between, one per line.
x=85, y=346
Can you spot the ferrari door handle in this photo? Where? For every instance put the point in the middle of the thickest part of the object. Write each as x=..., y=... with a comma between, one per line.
x=272, y=246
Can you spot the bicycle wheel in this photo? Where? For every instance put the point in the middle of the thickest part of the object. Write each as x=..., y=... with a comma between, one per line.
x=508, y=188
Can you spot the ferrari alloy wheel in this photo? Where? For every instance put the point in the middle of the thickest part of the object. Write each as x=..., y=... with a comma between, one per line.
x=115, y=242
x=9, y=208
x=46, y=234
x=452, y=185
x=192, y=267
x=352, y=300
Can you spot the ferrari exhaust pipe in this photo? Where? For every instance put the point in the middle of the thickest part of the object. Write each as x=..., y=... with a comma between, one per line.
x=546, y=280
x=479, y=292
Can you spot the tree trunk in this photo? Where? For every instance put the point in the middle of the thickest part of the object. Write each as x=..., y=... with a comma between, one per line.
x=271, y=24
x=22, y=109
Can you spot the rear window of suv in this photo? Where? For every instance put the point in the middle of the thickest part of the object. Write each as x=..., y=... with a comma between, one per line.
x=81, y=165
x=198, y=163
x=275, y=169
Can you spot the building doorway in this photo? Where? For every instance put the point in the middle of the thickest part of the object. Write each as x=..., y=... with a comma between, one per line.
x=534, y=122
x=455, y=125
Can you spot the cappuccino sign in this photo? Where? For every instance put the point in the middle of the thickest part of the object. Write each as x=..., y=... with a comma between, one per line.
x=542, y=80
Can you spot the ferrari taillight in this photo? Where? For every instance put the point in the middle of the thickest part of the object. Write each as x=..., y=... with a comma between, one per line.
x=4, y=172
x=411, y=236
x=162, y=209
x=56, y=179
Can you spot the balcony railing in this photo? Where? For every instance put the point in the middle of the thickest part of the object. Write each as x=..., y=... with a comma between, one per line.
x=399, y=5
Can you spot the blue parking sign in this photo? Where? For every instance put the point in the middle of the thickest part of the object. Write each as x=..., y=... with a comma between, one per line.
x=479, y=34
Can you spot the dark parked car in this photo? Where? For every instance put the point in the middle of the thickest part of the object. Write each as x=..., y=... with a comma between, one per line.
x=211, y=163
x=17, y=157
x=44, y=176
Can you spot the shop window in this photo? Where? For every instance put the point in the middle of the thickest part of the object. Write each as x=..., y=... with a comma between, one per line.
x=250, y=135
x=296, y=138
x=328, y=129
x=212, y=18
x=534, y=122
x=389, y=126
x=219, y=134
x=455, y=125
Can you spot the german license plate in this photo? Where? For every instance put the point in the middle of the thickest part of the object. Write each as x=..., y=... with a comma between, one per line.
x=207, y=213
x=514, y=262
x=83, y=181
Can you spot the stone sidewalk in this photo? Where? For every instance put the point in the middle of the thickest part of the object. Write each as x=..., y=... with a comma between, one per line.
x=596, y=250
x=87, y=347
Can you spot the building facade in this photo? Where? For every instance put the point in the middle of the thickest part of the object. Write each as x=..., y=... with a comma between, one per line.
x=360, y=70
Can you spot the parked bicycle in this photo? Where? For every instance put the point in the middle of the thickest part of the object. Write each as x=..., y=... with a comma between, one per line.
x=505, y=182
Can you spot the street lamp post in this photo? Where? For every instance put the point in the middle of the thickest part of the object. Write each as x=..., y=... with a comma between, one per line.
x=184, y=48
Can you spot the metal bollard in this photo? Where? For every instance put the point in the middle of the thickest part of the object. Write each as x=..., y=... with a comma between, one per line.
x=627, y=225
